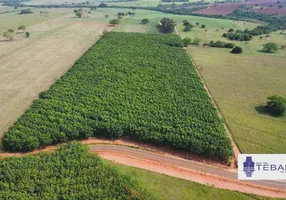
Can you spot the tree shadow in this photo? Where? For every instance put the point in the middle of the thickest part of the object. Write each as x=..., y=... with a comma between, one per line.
x=268, y=52
x=264, y=110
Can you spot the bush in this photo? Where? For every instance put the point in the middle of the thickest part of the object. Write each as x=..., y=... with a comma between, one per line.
x=236, y=50
x=196, y=42
x=145, y=21
x=187, y=29
x=22, y=27
x=187, y=41
x=27, y=34
x=229, y=45
x=203, y=26
x=277, y=105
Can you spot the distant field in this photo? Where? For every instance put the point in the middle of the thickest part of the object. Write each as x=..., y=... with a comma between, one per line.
x=133, y=23
x=30, y=65
x=240, y=85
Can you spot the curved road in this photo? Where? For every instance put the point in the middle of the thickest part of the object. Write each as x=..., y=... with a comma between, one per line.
x=179, y=162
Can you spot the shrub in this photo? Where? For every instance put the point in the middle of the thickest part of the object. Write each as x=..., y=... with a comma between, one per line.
x=22, y=27
x=196, y=42
x=27, y=34
x=167, y=25
x=277, y=105
x=229, y=45
x=187, y=41
x=236, y=50
x=145, y=21
x=203, y=26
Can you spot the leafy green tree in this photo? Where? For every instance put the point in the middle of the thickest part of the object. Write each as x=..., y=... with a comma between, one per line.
x=236, y=50
x=231, y=30
x=78, y=13
x=187, y=29
x=145, y=21
x=277, y=104
x=167, y=25
x=114, y=21
x=27, y=34
x=270, y=47
x=187, y=41
x=203, y=26
x=197, y=23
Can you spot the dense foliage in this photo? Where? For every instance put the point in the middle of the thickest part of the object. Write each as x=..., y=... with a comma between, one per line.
x=128, y=84
x=167, y=25
x=69, y=173
x=238, y=35
x=270, y=47
x=236, y=50
x=221, y=44
x=277, y=105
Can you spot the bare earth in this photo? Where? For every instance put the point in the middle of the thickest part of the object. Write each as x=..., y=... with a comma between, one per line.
x=31, y=65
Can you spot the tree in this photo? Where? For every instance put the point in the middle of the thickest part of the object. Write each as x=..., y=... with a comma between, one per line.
x=11, y=30
x=277, y=104
x=270, y=47
x=197, y=23
x=278, y=2
x=22, y=27
x=236, y=50
x=27, y=34
x=106, y=16
x=114, y=21
x=9, y=35
x=187, y=28
x=102, y=5
x=167, y=25
x=145, y=21
x=196, y=41
x=203, y=26
x=231, y=30
x=78, y=13
x=187, y=41
x=280, y=6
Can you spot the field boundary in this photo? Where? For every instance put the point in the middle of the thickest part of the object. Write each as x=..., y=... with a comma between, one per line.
x=236, y=149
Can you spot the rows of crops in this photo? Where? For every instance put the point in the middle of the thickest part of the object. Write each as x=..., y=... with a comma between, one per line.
x=69, y=173
x=128, y=84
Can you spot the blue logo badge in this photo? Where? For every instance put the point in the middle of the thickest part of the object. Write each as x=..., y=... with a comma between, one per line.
x=248, y=166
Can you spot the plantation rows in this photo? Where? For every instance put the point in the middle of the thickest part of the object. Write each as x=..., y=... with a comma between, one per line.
x=128, y=84
x=69, y=173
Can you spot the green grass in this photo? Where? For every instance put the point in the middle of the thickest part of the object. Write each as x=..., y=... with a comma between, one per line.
x=164, y=187
x=240, y=85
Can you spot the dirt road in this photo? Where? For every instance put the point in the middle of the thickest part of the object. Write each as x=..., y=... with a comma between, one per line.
x=189, y=170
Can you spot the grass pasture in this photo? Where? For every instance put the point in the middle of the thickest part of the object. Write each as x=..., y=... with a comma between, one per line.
x=240, y=85
x=31, y=65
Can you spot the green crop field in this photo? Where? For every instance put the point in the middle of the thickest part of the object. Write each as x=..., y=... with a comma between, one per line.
x=69, y=173
x=240, y=84
x=155, y=97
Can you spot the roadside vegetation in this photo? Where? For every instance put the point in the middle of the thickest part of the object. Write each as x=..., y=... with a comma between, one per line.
x=69, y=173
x=155, y=97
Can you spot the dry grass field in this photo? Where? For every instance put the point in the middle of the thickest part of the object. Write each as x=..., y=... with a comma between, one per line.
x=31, y=65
